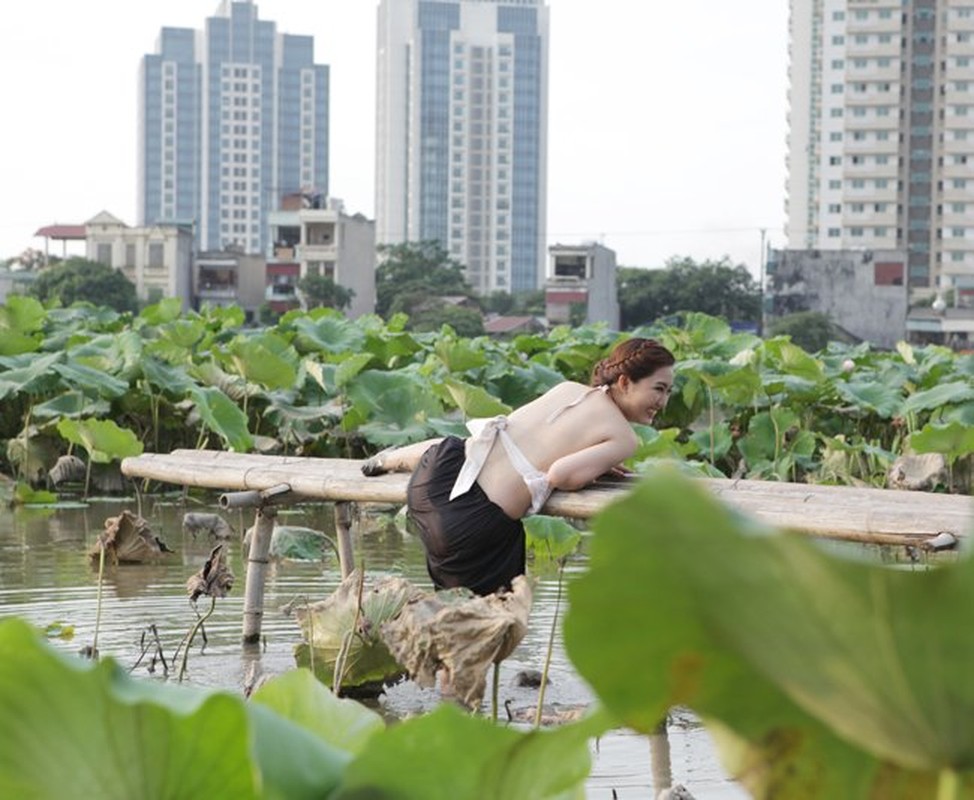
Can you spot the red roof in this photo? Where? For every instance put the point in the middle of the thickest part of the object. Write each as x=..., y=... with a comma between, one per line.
x=507, y=324
x=62, y=232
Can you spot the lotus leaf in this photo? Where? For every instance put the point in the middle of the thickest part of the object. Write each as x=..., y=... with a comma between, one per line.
x=829, y=677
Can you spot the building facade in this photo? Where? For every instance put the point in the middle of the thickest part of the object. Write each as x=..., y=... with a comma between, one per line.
x=157, y=259
x=232, y=118
x=461, y=130
x=861, y=291
x=315, y=236
x=582, y=277
x=881, y=133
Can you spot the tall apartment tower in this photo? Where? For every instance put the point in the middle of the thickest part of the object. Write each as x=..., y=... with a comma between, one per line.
x=881, y=140
x=461, y=131
x=232, y=119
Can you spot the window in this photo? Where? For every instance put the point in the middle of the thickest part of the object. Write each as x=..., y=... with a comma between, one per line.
x=835, y=136
x=104, y=254
x=835, y=208
x=834, y=233
x=156, y=255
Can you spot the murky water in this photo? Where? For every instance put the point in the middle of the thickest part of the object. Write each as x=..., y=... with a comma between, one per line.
x=47, y=578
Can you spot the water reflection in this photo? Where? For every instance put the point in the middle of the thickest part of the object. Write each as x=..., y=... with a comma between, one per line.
x=47, y=577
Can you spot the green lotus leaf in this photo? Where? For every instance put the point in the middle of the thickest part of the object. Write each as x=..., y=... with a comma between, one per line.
x=71, y=404
x=714, y=442
x=550, y=537
x=222, y=416
x=182, y=333
x=792, y=360
x=95, y=381
x=173, y=380
x=349, y=367
x=328, y=332
x=870, y=396
x=302, y=699
x=266, y=359
x=103, y=440
x=29, y=374
x=474, y=401
x=73, y=730
x=20, y=320
x=765, y=437
x=117, y=353
x=448, y=754
x=398, y=405
x=944, y=394
x=953, y=440
x=460, y=355
x=166, y=310
x=851, y=674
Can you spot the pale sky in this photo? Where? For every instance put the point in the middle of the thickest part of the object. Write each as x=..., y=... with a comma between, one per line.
x=666, y=122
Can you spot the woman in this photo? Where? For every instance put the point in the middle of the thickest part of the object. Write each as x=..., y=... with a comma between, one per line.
x=467, y=496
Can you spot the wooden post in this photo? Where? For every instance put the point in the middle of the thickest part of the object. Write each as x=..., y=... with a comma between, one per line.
x=343, y=530
x=257, y=559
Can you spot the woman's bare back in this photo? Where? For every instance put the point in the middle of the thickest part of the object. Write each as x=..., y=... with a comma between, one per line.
x=591, y=438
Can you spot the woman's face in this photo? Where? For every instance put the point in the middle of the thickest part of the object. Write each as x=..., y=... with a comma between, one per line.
x=641, y=400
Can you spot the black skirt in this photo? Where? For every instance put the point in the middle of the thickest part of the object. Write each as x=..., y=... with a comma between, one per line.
x=469, y=541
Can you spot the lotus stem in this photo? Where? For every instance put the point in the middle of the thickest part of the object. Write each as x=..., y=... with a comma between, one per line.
x=342, y=657
x=495, y=690
x=101, y=574
x=192, y=635
x=551, y=644
x=948, y=785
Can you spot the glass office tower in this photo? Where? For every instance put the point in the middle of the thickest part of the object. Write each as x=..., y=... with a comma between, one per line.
x=232, y=118
x=461, y=128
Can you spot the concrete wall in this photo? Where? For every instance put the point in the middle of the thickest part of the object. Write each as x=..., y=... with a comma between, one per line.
x=850, y=286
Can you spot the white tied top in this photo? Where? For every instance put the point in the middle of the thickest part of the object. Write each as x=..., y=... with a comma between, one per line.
x=484, y=432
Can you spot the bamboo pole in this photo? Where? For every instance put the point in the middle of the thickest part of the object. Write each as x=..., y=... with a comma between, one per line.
x=257, y=559
x=880, y=516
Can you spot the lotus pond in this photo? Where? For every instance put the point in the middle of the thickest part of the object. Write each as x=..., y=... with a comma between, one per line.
x=47, y=579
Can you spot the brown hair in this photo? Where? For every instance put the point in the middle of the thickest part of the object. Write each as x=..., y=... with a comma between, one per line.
x=635, y=358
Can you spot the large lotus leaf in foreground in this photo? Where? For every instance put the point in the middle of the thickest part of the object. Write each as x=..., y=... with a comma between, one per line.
x=72, y=730
x=823, y=676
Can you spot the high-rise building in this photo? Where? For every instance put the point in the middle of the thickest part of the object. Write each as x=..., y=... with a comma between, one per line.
x=461, y=129
x=232, y=118
x=881, y=140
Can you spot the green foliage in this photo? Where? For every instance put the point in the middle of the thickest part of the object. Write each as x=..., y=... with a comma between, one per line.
x=432, y=315
x=320, y=290
x=717, y=288
x=810, y=330
x=318, y=383
x=102, y=439
x=78, y=280
x=819, y=676
x=412, y=272
x=72, y=729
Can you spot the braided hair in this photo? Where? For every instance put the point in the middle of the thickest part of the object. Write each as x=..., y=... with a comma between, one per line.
x=635, y=358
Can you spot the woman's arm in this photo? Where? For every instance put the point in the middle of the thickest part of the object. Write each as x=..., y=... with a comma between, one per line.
x=577, y=470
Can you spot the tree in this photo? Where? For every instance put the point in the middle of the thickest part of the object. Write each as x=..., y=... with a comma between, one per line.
x=714, y=287
x=81, y=280
x=417, y=270
x=466, y=322
x=320, y=290
x=810, y=330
